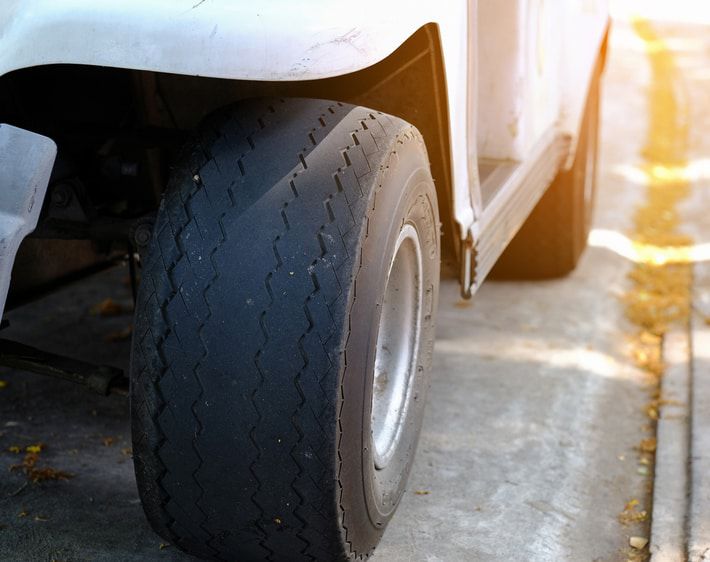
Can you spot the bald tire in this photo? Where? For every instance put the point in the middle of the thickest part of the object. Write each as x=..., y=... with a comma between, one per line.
x=256, y=326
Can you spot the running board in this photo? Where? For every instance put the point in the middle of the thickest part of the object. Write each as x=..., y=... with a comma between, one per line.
x=494, y=176
x=512, y=189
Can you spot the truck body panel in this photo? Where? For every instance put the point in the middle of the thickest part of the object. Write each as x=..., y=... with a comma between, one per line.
x=516, y=71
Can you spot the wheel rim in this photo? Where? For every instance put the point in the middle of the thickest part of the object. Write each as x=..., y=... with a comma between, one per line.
x=397, y=346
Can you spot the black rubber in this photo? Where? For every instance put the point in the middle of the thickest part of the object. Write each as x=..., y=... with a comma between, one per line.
x=256, y=324
x=554, y=236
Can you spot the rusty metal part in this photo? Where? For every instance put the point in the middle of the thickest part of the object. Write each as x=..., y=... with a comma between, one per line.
x=102, y=379
x=140, y=233
x=467, y=267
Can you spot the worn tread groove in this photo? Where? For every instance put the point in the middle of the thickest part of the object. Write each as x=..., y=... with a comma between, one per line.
x=327, y=284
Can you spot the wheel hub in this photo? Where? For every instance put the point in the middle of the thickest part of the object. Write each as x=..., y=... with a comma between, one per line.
x=397, y=346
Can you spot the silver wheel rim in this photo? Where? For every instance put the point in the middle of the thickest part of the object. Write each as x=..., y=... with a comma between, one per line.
x=397, y=346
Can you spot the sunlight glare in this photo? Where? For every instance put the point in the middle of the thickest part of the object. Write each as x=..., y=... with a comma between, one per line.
x=688, y=11
x=696, y=170
x=647, y=253
x=575, y=357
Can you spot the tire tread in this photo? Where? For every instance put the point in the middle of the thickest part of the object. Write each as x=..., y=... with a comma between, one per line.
x=173, y=341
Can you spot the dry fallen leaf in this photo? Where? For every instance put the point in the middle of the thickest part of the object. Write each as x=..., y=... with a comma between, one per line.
x=631, y=514
x=108, y=441
x=648, y=445
x=120, y=335
x=107, y=307
x=38, y=474
x=421, y=492
x=14, y=449
x=652, y=411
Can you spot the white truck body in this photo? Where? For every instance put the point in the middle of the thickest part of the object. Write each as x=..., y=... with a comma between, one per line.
x=516, y=71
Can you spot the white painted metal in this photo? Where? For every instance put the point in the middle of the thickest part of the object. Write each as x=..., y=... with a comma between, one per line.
x=535, y=61
x=26, y=161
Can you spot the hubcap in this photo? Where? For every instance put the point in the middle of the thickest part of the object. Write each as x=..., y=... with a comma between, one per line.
x=397, y=346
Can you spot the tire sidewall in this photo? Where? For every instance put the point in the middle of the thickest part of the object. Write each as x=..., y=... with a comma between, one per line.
x=404, y=194
x=586, y=158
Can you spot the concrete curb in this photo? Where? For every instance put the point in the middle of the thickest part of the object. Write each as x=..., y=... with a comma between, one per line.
x=670, y=487
x=680, y=527
x=699, y=508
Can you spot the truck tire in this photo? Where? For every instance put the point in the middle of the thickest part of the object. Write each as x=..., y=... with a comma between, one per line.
x=553, y=238
x=284, y=331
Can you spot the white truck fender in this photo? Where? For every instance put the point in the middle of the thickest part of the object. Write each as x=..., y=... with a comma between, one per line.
x=275, y=40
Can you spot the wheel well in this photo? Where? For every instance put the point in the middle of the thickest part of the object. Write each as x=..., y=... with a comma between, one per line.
x=119, y=130
x=410, y=83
